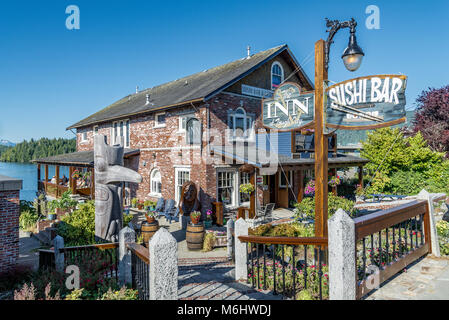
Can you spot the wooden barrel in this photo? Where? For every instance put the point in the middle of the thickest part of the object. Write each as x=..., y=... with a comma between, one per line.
x=195, y=236
x=148, y=230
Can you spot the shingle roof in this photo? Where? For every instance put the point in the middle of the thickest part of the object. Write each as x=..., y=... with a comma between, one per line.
x=197, y=87
x=80, y=158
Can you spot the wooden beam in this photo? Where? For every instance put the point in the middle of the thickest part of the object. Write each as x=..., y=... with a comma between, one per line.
x=361, y=176
x=321, y=145
x=71, y=180
x=301, y=186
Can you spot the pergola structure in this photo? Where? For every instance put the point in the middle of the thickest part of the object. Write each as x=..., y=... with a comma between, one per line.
x=82, y=161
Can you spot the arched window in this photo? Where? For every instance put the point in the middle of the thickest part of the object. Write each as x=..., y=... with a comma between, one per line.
x=277, y=75
x=240, y=124
x=193, y=131
x=156, y=183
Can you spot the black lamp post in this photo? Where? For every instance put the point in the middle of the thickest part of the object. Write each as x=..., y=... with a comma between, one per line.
x=353, y=54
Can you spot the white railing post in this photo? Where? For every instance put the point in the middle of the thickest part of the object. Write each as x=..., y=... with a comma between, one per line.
x=163, y=250
x=434, y=242
x=342, y=257
x=229, y=232
x=241, y=253
x=126, y=235
x=58, y=243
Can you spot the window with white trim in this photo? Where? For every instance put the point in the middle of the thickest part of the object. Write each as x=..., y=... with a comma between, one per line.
x=156, y=183
x=193, y=131
x=120, y=129
x=277, y=75
x=159, y=120
x=183, y=121
x=84, y=136
x=240, y=124
x=182, y=175
x=226, y=187
x=283, y=180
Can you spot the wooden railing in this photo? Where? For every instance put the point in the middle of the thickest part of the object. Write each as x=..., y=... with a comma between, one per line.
x=140, y=269
x=56, y=190
x=293, y=267
x=394, y=238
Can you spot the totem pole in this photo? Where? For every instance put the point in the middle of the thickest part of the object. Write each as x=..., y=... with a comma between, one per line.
x=109, y=177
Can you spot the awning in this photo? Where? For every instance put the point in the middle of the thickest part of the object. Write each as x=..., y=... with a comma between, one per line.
x=80, y=158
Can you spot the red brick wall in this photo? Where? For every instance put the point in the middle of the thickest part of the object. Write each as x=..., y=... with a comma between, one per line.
x=9, y=229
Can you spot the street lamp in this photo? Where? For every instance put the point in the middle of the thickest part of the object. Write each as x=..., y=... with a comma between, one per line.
x=353, y=54
x=352, y=58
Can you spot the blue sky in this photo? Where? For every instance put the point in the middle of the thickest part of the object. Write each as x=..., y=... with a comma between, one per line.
x=52, y=77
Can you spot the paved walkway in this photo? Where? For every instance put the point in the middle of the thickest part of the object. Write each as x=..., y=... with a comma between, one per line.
x=427, y=279
x=28, y=254
x=213, y=279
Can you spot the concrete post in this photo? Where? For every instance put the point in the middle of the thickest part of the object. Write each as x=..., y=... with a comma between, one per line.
x=342, y=255
x=424, y=195
x=163, y=266
x=126, y=235
x=230, y=230
x=241, y=253
x=58, y=243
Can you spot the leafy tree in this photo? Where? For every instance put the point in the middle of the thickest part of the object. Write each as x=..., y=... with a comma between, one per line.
x=432, y=118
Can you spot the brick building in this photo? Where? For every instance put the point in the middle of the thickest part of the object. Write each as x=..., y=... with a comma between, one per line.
x=9, y=222
x=181, y=130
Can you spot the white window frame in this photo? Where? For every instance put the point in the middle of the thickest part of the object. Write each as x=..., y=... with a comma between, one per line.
x=178, y=170
x=235, y=181
x=180, y=123
x=156, y=122
x=121, y=125
x=84, y=136
x=153, y=192
x=248, y=132
x=272, y=74
x=290, y=177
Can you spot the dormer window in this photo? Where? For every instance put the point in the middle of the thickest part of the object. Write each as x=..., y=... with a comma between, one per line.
x=277, y=75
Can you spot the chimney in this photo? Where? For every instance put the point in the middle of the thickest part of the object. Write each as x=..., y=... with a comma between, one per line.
x=148, y=98
x=248, y=52
x=137, y=89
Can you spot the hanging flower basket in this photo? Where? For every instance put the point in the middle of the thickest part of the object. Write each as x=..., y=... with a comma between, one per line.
x=334, y=181
x=247, y=188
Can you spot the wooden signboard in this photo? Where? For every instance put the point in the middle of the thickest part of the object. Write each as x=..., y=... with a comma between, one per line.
x=366, y=103
x=288, y=109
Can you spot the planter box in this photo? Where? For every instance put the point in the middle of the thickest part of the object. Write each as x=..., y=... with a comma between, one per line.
x=221, y=241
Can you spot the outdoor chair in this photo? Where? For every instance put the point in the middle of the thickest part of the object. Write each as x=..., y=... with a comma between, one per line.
x=159, y=210
x=175, y=216
x=169, y=208
x=266, y=212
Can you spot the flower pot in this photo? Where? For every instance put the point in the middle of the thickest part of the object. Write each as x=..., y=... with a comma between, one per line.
x=140, y=206
x=208, y=223
x=51, y=216
x=150, y=219
x=195, y=220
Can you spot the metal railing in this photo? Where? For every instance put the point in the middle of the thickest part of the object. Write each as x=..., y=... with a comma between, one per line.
x=293, y=267
x=388, y=241
x=140, y=269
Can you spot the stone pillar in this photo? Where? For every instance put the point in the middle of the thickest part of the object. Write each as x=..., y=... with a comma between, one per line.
x=230, y=245
x=126, y=235
x=434, y=243
x=241, y=252
x=163, y=266
x=9, y=222
x=342, y=255
x=58, y=243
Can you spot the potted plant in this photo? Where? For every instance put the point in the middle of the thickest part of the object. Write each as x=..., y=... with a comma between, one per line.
x=208, y=222
x=147, y=204
x=51, y=216
x=334, y=181
x=140, y=205
x=195, y=217
x=247, y=188
x=310, y=188
x=150, y=216
x=134, y=202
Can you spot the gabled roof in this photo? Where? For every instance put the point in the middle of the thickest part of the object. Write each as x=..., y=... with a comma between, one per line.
x=194, y=88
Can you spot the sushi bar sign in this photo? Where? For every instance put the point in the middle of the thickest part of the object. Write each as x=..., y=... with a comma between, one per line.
x=356, y=104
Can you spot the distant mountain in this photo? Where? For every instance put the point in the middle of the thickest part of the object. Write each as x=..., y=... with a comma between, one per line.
x=6, y=143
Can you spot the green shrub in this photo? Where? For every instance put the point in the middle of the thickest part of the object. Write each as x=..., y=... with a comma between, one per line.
x=443, y=236
x=283, y=230
x=27, y=219
x=307, y=207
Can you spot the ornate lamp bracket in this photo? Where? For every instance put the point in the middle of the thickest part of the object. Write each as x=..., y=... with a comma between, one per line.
x=333, y=27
